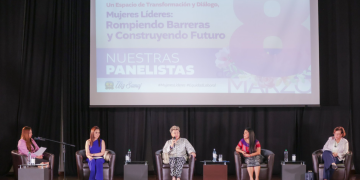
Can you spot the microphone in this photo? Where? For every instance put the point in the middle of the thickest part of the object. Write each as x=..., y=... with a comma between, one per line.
x=39, y=138
x=174, y=139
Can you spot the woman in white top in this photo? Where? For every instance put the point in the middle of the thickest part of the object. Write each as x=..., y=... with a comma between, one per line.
x=177, y=148
x=334, y=151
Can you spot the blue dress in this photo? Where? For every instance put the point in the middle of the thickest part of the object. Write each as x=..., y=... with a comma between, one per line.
x=96, y=165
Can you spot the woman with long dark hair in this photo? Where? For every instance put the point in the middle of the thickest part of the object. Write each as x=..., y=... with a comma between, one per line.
x=27, y=144
x=95, y=149
x=250, y=147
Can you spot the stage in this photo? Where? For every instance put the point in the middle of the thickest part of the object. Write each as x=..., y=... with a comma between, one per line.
x=153, y=177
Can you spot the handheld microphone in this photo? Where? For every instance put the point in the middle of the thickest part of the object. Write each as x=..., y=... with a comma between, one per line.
x=174, y=139
x=39, y=138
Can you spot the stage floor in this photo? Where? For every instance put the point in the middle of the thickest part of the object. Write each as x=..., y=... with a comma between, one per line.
x=153, y=177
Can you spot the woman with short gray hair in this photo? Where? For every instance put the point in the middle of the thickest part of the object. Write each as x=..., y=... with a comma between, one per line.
x=177, y=148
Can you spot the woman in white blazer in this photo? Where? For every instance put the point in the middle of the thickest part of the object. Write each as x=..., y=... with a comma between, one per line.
x=334, y=151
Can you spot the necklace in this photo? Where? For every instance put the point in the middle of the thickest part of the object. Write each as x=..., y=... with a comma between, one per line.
x=336, y=143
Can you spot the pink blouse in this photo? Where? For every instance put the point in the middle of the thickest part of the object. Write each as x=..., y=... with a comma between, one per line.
x=22, y=149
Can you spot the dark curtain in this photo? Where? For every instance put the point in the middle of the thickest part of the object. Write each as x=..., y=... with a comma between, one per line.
x=33, y=80
x=354, y=95
x=121, y=129
x=220, y=129
x=161, y=120
x=11, y=36
x=40, y=95
x=45, y=56
x=128, y=131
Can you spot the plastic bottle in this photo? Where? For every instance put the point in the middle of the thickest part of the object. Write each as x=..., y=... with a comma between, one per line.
x=32, y=161
x=129, y=154
x=286, y=155
x=28, y=159
x=214, y=155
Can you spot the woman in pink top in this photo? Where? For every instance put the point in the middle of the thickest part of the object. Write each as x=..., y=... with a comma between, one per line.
x=26, y=144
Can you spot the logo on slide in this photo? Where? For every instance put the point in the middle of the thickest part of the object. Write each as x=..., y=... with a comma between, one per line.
x=109, y=85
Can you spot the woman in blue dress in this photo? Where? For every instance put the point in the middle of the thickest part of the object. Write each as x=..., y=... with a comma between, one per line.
x=95, y=149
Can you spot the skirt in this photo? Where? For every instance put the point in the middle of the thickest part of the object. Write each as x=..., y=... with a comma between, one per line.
x=253, y=161
x=176, y=166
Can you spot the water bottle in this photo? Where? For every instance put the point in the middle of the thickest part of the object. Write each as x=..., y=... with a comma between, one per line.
x=129, y=155
x=214, y=155
x=28, y=159
x=286, y=153
x=32, y=161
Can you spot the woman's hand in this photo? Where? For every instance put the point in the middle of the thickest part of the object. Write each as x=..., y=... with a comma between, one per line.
x=247, y=155
x=240, y=151
x=335, y=154
x=193, y=154
x=237, y=149
x=90, y=158
x=39, y=157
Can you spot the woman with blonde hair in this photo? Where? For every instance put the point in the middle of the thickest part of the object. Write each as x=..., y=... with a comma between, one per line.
x=177, y=148
x=95, y=149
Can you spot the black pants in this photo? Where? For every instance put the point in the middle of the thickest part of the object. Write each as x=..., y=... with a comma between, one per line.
x=38, y=161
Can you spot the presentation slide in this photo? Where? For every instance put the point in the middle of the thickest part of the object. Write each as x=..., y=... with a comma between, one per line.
x=204, y=53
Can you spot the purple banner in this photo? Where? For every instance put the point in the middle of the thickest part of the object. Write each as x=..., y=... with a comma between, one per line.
x=157, y=63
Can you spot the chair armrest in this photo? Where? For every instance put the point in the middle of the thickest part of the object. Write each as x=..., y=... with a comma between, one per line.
x=191, y=167
x=23, y=159
x=79, y=165
x=50, y=157
x=315, y=159
x=159, y=164
x=238, y=165
x=347, y=163
x=270, y=160
x=111, y=163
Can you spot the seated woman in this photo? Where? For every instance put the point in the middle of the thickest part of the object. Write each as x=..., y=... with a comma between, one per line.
x=27, y=144
x=177, y=148
x=334, y=151
x=95, y=149
x=251, y=149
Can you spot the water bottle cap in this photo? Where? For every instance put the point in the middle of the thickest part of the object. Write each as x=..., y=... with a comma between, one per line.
x=285, y=149
x=129, y=149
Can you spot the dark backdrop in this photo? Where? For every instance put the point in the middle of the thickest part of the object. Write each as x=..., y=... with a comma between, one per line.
x=44, y=69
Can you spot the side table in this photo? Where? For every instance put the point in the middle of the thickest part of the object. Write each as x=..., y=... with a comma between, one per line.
x=217, y=170
x=293, y=170
x=32, y=172
x=136, y=170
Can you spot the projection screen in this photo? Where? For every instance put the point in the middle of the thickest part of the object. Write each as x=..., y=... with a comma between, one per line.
x=204, y=53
